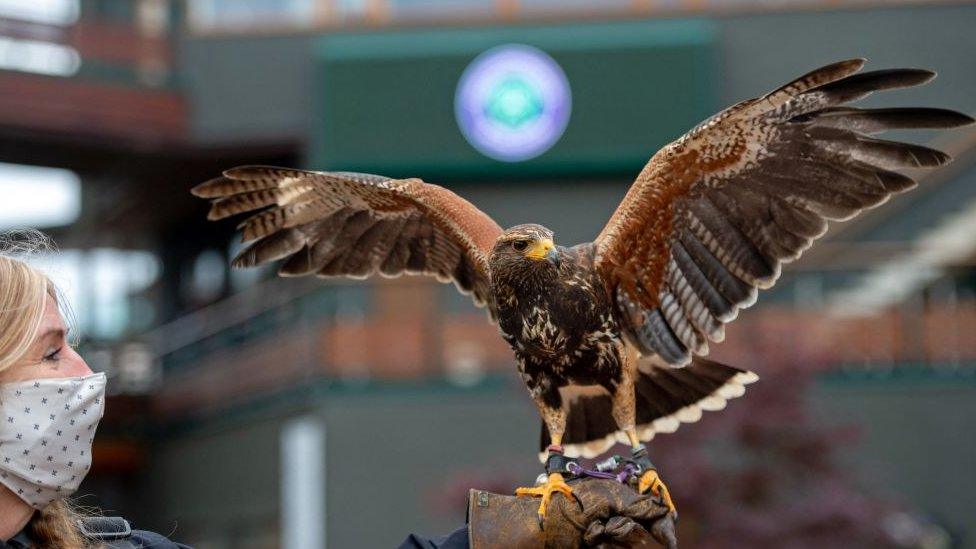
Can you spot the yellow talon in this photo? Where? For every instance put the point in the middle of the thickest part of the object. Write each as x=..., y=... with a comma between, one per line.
x=554, y=484
x=651, y=481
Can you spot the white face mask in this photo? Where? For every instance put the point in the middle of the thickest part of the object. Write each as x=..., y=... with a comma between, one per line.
x=46, y=432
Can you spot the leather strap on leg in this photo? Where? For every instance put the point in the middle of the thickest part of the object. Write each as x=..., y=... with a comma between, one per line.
x=641, y=460
x=557, y=462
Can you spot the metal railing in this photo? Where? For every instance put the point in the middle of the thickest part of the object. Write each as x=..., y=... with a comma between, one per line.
x=298, y=333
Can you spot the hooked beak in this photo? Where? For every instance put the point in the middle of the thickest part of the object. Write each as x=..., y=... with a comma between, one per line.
x=553, y=256
x=544, y=249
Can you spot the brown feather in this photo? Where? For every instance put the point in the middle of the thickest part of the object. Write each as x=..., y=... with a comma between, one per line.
x=262, y=224
x=871, y=121
x=240, y=203
x=271, y=248
x=859, y=86
x=222, y=186
x=813, y=79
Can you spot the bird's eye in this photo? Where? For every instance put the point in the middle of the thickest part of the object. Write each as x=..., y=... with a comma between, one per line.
x=520, y=245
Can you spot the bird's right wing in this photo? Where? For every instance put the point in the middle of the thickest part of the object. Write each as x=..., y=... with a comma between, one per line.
x=355, y=225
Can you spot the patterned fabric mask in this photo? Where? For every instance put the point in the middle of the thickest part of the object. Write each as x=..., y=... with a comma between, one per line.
x=46, y=432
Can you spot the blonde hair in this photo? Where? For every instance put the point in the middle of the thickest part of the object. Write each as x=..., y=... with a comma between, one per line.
x=56, y=527
x=23, y=296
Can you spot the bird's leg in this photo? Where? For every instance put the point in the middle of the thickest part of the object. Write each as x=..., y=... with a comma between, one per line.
x=555, y=465
x=625, y=414
x=555, y=418
x=649, y=479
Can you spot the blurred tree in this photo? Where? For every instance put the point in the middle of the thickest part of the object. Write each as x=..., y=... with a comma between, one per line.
x=767, y=473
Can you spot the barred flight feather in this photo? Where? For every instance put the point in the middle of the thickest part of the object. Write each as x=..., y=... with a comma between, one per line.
x=872, y=121
x=693, y=307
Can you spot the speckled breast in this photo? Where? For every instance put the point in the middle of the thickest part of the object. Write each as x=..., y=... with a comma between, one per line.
x=566, y=329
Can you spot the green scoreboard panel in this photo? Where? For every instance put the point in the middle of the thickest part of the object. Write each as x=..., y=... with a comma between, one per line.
x=386, y=102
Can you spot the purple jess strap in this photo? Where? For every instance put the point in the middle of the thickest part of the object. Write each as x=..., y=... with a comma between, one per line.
x=622, y=477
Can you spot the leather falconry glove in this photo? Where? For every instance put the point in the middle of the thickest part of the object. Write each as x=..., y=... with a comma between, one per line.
x=605, y=514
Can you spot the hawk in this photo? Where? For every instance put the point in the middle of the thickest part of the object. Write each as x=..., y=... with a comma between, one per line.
x=609, y=336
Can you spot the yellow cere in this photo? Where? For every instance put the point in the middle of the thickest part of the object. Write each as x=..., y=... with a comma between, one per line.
x=539, y=248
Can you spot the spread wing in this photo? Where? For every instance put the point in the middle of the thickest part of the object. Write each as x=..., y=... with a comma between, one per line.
x=713, y=216
x=355, y=225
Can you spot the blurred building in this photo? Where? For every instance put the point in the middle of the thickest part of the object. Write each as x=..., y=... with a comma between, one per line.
x=265, y=412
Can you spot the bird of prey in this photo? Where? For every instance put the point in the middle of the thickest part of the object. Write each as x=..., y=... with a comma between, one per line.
x=609, y=335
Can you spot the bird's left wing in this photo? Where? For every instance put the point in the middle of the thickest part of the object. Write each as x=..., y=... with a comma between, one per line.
x=712, y=216
x=355, y=225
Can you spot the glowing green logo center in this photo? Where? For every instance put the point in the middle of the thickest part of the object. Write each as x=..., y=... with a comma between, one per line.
x=514, y=102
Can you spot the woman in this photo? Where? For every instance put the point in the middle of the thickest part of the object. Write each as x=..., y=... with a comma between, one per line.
x=50, y=404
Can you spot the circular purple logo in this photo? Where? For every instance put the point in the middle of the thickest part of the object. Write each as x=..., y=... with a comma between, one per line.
x=513, y=102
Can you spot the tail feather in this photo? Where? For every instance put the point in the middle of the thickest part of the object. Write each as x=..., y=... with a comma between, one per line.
x=666, y=398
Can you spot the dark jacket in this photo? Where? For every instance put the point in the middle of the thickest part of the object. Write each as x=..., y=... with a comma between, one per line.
x=113, y=532
x=457, y=539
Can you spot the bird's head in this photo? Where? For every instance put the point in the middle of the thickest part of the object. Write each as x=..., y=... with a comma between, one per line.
x=525, y=250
